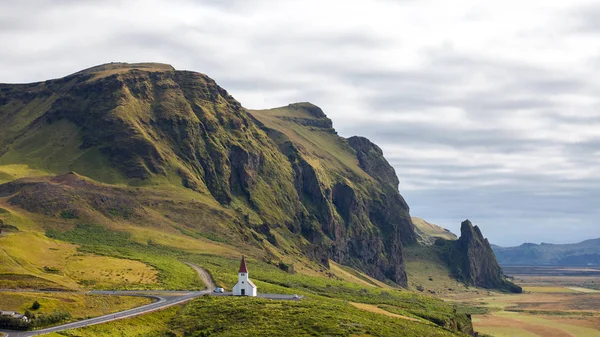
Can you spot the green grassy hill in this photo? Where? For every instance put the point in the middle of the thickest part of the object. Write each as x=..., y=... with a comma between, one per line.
x=427, y=233
x=112, y=176
x=137, y=131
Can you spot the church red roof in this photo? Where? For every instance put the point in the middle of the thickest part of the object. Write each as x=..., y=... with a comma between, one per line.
x=243, y=268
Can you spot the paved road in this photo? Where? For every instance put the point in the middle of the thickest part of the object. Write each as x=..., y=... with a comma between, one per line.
x=164, y=299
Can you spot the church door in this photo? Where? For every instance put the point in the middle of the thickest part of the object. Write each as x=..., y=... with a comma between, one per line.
x=243, y=292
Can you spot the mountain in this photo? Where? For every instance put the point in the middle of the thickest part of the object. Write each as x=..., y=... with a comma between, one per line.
x=472, y=260
x=113, y=176
x=469, y=259
x=428, y=233
x=347, y=187
x=585, y=253
x=144, y=164
x=130, y=145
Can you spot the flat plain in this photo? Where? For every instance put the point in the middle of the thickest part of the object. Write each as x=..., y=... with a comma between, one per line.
x=557, y=301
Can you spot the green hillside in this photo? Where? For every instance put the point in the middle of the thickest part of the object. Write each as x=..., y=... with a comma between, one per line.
x=295, y=186
x=428, y=233
x=112, y=177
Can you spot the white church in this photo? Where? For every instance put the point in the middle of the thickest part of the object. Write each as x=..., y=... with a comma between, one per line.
x=244, y=287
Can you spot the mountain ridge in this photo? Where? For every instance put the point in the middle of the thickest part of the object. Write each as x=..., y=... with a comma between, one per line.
x=583, y=253
x=148, y=125
x=168, y=157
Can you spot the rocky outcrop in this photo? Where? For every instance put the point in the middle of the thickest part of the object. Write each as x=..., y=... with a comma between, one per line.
x=370, y=158
x=390, y=207
x=472, y=260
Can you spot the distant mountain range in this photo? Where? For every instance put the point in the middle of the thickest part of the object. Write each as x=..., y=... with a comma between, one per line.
x=585, y=253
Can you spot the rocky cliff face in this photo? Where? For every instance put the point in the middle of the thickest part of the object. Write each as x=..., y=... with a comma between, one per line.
x=281, y=174
x=473, y=261
x=347, y=188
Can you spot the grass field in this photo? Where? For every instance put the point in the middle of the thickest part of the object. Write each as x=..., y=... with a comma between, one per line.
x=428, y=272
x=333, y=306
x=78, y=305
x=547, y=307
x=315, y=143
x=53, y=149
x=61, y=263
x=520, y=324
x=584, y=290
x=228, y=316
x=548, y=289
x=11, y=172
x=152, y=324
x=354, y=276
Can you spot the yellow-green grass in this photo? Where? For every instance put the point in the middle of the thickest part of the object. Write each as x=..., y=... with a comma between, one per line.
x=117, y=68
x=541, y=311
x=584, y=290
x=14, y=216
x=80, y=306
x=498, y=331
x=430, y=232
x=314, y=143
x=152, y=324
x=350, y=275
x=426, y=269
x=169, y=238
x=549, y=290
x=227, y=316
x=536, y=325
x=10, y=172
x=549, y=322
x=272, y=280
x=375, y=309
x=31, y=253
x=64, y=265
x=338, y=271
x=55, y=149
x=27, y=114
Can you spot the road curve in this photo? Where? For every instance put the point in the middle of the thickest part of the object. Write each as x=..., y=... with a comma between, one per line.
x=165, y=299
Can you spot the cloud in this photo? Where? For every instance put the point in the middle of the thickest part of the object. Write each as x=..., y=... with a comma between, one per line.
x=486, y=111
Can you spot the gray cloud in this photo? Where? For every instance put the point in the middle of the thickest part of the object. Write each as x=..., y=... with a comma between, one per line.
x=482, y=119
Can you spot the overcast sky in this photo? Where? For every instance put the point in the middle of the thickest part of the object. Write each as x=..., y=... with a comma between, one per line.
x=488, y=110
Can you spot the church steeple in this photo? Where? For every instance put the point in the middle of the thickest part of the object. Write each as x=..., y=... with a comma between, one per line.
x=244, y=287
x=243, y=268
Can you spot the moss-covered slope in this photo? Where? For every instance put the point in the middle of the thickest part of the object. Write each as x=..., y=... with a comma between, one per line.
x=279, y=180
x=428, y=233
x=348, y=188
